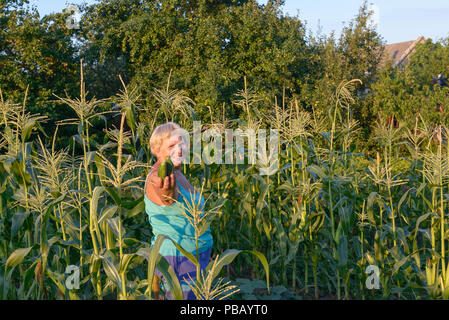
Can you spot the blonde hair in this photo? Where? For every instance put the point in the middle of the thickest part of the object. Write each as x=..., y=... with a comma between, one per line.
x=162, y=132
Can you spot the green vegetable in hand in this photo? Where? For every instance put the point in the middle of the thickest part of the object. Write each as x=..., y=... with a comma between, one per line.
x=166, y=168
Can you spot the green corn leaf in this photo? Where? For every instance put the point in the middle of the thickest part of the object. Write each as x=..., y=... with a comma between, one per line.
x=342, y=251
x=403, y=198
x=399, y=264
x=229, y=255
x=264, y=262
x=93, y=219
x=112, y=272
x=155, y=259
x=170, y=277
x=138, y=208
x=27, y=129
x=225, y=258
x=17, y=221
x=108, y=213
x=114, y=225
x=317, y=171
x=114, y=195
x=58, y=279
x=188, y=255
x=17, y=256
x=124, y=263
x=100, y=169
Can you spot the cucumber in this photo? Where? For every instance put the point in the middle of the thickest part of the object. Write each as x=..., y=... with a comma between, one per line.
x=162, y=170
x=166, y=168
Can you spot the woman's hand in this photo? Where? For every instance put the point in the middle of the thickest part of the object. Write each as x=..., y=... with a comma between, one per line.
x=165, y=188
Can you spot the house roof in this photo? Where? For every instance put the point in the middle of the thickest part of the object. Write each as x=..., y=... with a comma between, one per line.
x=399, y=52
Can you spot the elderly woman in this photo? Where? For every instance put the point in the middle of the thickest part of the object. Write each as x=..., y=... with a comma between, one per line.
x=165, y=214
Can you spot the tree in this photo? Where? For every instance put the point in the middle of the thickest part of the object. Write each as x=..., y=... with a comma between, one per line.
x=209, y=45
x=408, y=91
x=355, y=55
x=35, y=53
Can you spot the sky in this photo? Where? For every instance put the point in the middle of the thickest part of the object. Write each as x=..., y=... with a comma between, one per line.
x=397, y=20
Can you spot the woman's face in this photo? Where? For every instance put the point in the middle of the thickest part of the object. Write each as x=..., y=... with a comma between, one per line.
x=170, y=147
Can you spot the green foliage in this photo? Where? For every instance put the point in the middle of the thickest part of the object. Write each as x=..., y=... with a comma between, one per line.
x=329, y=212
x=356, y=55
x=210, y=46
x=37, y=53
x=409, y=91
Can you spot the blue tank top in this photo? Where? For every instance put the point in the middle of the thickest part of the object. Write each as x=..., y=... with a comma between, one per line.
x=170, y=221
